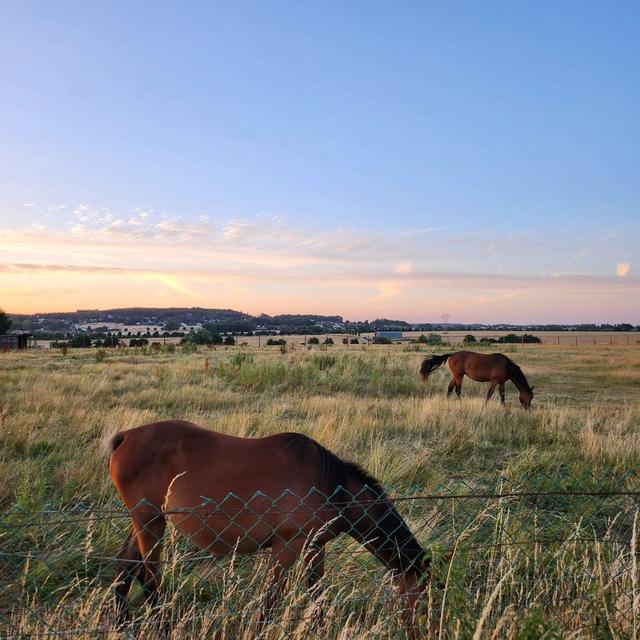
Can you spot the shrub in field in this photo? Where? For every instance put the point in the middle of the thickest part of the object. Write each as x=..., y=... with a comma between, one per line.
x=354, y=341
x=381, y=340
x=101, y=354
x=239, y=359
x=313, y=340
x=80, y=341
x=202, y=336
x=469, y=339
x=138, y=342
x=271, y=342
x=328, y=340
x=230, y=341
x=169, y=348
x=189, y=347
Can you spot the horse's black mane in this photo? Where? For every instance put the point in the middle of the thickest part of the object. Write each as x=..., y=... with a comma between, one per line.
x=335, y=472
x=400, y=550
x=519, y=379
x=366, y=478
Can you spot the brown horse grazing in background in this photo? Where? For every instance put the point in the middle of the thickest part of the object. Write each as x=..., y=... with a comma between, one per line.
x=495, y=368
x=289, y=494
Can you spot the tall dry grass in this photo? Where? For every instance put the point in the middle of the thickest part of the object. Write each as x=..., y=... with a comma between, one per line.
x=367, y=405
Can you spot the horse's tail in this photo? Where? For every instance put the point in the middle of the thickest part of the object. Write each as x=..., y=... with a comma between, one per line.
x=431, y=364
x=116, y=441
x=110, y=443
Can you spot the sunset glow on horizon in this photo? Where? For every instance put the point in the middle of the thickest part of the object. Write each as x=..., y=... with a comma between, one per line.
x=101, y=259
x=480, y=163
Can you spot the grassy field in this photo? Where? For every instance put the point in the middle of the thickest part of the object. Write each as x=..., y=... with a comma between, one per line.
x=368, y=405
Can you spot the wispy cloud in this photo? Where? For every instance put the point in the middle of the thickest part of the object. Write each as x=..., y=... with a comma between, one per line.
x=267, y=261
x=585, y=251
x=403, y=267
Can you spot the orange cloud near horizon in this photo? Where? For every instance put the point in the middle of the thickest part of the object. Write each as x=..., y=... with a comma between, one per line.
x=35, y=290
x=102, y=261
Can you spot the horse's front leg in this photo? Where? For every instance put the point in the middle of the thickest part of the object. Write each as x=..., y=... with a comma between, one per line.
x=501, y=390
x=315, y=561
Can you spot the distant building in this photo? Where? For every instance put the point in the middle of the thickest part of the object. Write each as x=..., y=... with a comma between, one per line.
x=190, y=327
x=390, y=335
x=13, y=341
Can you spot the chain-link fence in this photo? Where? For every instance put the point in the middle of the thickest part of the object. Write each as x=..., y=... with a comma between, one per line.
x=544, y=554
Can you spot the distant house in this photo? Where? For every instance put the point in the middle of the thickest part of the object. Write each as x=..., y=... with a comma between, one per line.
x=390, y=335
x=190, y=327
x=13, y=341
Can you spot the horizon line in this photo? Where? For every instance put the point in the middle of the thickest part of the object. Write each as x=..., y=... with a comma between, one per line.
x=441, y=323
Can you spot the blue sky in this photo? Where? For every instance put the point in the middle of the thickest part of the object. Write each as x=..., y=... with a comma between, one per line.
x=512, y=126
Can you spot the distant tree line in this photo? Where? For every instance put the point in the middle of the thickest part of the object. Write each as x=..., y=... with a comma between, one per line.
x=226, y=321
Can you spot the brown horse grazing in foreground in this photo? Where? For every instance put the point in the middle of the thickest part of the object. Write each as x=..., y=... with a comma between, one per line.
x=289, y=494
x=495, y=368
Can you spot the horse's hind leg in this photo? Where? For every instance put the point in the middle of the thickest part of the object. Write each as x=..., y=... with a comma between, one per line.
x=492, y=388
x=458, y=382
x=501, y=390
x=451, y=387
x=284, y=554
x=129, y=567
x=148, y=537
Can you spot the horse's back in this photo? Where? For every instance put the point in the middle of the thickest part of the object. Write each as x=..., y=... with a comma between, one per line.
x=220, y=490
x=482, y=367
x=193, y=462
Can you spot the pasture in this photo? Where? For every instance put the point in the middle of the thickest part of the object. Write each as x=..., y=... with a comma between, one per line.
x=366, y=404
